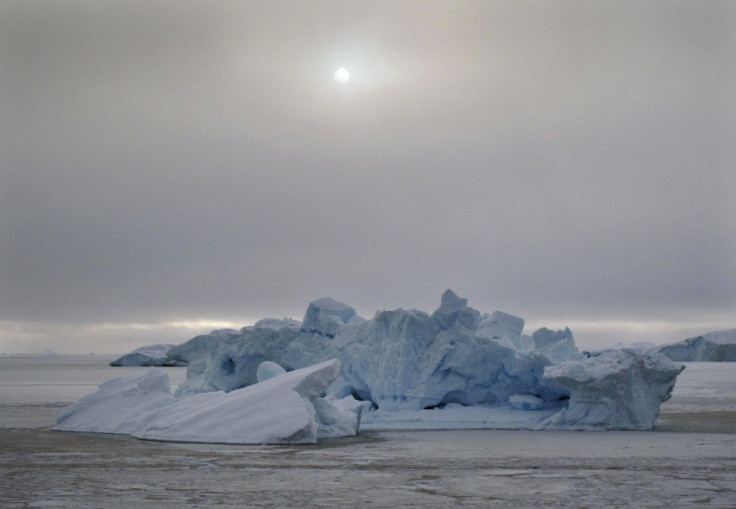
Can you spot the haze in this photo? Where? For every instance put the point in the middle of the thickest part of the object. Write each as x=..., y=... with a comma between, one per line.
x=167, y=168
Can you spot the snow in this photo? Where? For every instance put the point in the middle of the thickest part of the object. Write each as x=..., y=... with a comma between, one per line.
x=718, y=346
x=327, y=316
x=122, y=405
x=613, y=389
x=283, y=409
x=151, y=355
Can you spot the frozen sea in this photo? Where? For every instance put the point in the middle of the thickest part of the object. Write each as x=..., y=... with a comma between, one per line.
x=689, y=460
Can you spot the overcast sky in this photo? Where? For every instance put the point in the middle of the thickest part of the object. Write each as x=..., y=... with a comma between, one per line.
x=168, y=167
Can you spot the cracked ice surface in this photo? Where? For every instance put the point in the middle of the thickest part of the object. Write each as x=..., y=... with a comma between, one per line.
x=475, y=469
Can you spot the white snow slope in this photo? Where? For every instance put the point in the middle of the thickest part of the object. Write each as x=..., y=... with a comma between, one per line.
x=286, y=408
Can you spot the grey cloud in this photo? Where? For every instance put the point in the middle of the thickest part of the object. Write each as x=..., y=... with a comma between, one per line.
x=168, y=160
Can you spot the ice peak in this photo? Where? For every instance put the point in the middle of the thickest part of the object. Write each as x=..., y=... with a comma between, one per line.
x=451, y=302
x=454, y=309
x=325, y=316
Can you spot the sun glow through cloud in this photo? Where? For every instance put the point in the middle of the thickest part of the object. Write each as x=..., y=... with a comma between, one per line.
x=342, y=75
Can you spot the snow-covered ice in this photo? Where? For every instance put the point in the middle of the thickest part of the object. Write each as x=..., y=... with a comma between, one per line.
x=122, y=405
x=150, y=355
x=430, y=469
x=285, y=408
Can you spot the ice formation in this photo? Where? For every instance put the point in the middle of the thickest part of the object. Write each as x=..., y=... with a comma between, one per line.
x=151, y=355
x=396, y=360
x=719, y=346
x=613, y=389
x=286, y=408
x=267, y=370
x=453, y=368
x=410, y=361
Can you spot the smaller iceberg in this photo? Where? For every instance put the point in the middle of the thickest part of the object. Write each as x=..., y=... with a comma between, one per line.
x=151, y=355
x=613, y=389
x=719, y=346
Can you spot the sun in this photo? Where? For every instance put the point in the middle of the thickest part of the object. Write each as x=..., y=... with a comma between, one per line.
x=342, y=75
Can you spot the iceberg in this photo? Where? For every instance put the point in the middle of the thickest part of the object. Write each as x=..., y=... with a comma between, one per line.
x=718, y=346
x=284, y=409
x=613, y=389
x=404, y=363
x=398, y=360
x=285, y=381
x=151, y=355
